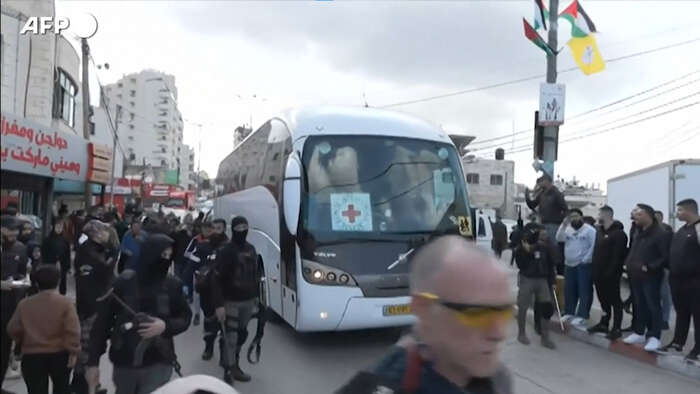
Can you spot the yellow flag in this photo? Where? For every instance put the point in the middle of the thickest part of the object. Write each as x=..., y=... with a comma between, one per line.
x=586, y=54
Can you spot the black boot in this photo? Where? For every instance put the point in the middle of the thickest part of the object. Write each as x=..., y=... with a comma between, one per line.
x=208, y=351
x=601, y=327
x=238, y=373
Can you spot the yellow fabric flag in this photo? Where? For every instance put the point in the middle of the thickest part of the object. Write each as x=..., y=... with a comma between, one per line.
x=586, y=54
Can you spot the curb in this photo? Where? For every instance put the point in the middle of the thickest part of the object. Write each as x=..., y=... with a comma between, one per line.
x=667, y=362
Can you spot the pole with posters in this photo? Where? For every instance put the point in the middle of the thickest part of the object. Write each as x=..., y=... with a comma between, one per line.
x=551, y=133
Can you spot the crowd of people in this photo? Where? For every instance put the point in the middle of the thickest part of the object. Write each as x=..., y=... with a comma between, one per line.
x=136, y=280
x=661, y=265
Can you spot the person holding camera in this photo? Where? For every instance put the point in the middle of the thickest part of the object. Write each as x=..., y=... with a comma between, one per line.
x=536, y=277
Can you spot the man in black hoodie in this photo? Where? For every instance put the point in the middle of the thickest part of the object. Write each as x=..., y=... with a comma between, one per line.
x=235, y=287
x=94, y=274
x=645, y=262
x=56, y=250
x=141, y=347
x=685, y=277
x=608, y=259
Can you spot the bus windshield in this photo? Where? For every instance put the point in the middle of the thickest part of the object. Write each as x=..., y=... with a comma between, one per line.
x=380, y=188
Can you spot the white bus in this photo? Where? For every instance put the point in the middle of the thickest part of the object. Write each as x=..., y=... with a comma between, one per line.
x=336, y=199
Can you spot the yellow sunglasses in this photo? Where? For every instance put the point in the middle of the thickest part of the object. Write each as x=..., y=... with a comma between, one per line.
x=475, y=316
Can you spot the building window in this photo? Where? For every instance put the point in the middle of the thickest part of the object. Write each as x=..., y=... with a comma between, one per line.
x=496, y=180
x=473, y=178
x=162, y=163
x=162, y=150
x=64, y=93
x=133, y=80
x=132, y=103
x=120, y=85
x=132, y=93
x=131, y=127
x=132, y=156
x=131, y=116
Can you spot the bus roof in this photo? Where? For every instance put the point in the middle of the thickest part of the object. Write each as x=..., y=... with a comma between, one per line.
x=328, y=120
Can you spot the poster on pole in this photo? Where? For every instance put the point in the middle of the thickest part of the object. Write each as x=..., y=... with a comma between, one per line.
x=552, y=99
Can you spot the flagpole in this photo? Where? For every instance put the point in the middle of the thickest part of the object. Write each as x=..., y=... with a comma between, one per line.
x=550, y=138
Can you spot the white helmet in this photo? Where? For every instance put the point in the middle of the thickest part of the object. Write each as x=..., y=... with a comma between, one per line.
x=194, y=383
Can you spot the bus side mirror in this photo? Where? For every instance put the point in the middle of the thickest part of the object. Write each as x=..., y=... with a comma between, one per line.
x=292, y=193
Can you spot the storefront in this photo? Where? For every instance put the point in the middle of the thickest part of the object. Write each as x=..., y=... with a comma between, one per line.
x=35, y=158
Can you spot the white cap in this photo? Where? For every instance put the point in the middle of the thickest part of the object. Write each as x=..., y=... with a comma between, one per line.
x=191, y=384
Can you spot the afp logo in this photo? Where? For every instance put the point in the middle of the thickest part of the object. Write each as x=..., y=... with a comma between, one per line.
x=82, y=25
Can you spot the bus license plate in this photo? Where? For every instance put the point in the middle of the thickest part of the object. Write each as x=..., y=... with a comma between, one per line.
x=394, y=310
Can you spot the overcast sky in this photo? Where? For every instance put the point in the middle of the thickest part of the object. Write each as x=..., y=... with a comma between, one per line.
x=297, y=53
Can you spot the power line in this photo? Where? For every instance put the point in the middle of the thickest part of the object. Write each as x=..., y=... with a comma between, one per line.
x=508, y=136
x=109, y=115
x=525, y=148
x=611, y=122
x=497, y=85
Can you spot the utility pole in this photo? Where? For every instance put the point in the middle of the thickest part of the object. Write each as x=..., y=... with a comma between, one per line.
x=115, y=141
x=550, y=138
x=86, y=111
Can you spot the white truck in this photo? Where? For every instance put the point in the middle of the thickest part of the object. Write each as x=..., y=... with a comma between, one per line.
x=661, y=186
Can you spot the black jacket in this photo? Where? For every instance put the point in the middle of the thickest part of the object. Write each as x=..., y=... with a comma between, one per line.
x=13, y=266
x=236, y=274
x=500, y=235
x=610, y=251
x=650, y=248
x=94, y=274
x=150, y=291
x=551, y=203
x=56, y=249
x=684, y=258
x=540, y=263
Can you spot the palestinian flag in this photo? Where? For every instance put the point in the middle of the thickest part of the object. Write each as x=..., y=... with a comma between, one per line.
x=536, y=39
x=541, y=15
x=581, y=24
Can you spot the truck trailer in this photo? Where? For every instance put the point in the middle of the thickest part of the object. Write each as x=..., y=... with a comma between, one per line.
x=661, y=186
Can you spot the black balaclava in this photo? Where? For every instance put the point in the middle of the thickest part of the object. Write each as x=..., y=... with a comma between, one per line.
x=240, y=223
x=151, y=266
x=577, y=224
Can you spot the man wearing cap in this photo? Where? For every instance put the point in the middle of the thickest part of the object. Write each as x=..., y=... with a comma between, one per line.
x=462, y=300
x=645, y=263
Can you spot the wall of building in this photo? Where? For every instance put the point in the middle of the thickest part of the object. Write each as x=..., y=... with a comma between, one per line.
x=487, y=196
x=103, y=135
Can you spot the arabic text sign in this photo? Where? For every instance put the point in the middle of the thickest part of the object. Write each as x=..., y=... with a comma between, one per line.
x=351, y=212
x=552, y=97
x=31, y=148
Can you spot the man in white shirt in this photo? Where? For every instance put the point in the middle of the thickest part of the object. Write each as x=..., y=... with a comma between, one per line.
x=579, y=242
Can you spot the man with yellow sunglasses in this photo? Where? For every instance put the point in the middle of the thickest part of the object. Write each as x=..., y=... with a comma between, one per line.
x=463, y=304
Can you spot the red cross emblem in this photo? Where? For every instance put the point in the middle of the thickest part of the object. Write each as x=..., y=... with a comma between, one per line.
x=351, y=213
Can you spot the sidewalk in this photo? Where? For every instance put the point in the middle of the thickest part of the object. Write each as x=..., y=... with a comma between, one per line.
x=672, y=362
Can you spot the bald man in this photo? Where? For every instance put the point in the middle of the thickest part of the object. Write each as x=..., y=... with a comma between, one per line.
x=463, y=304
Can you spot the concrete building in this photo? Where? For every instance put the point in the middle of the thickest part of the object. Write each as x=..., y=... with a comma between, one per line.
x=491, y=184
x=150, y=125
x=239, y=134
x=588, y=198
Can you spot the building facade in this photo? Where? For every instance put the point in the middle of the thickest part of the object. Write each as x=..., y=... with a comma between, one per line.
x=150, y=126
x=44, y=152
x=491, y=184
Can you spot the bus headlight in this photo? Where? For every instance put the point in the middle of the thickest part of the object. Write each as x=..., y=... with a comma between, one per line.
x=321, y=274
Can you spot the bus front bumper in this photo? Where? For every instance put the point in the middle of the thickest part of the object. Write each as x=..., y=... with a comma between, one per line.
x=362, y=312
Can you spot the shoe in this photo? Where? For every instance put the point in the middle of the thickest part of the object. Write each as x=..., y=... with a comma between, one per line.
x=566, y=318
x=239, y=375
x=672, y=347
x=547, y=343
x=227, y=377
x=615, y=334
x=195, y=322
x=693, y=355
x=652, y=345
x=598, y=328
x=665, y=326
x=634, y=339
x=523, y=339
x=208, y=354
x=579, y=323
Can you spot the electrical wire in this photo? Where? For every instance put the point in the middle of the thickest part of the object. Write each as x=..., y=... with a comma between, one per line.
x=525, y=148
x=525, y=79
x=610, y=104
